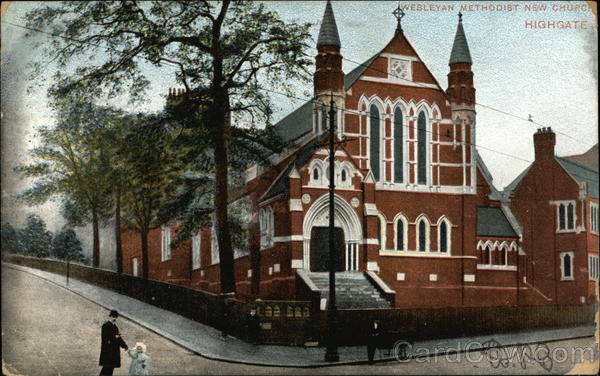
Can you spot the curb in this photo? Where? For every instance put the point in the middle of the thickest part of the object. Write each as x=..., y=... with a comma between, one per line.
x=186, y=345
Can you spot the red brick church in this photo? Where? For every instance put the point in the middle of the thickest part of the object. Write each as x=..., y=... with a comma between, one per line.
x=418, y=222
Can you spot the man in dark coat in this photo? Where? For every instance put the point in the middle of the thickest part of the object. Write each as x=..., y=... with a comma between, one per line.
x=253, y=323
x=110, y=356
x=373, y=340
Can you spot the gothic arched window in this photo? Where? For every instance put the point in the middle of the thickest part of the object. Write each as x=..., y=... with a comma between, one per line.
x=398, y=146
x=401, y=233
x=423, y=235
x=374, y=144
x=421, y=149
x=443, y=236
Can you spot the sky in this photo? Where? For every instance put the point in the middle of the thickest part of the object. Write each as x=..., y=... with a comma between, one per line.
x=520, y=70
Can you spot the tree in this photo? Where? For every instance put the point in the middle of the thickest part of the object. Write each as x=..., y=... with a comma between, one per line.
x=66, y=246
x=73, y=163
x=222, y=52
x=10, y=239
x=34, y=237
x=153, y=172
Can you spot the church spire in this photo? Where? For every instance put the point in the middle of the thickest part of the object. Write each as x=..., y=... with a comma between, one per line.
x=461, y=89
x=460, y=49
x=328, y=35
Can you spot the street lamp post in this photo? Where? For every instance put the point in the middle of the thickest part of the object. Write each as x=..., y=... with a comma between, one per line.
x=332, y=351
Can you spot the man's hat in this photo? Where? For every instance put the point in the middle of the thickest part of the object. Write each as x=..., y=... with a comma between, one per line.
x=113, y=313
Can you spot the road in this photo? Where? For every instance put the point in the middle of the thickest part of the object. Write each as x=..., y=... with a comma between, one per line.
x=48, y=330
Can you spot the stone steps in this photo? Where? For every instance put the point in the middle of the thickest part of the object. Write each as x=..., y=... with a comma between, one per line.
x=353, y=290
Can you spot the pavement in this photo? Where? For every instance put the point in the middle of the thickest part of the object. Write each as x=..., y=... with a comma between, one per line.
x=206, y=341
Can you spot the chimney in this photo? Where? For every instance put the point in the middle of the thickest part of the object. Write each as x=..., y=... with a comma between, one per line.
x=543, y=141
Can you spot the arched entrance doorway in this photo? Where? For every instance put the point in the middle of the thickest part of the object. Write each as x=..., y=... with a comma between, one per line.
x=348, y=235
x=319, y=249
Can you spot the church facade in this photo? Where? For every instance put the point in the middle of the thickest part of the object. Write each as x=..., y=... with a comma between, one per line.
x=418, y=222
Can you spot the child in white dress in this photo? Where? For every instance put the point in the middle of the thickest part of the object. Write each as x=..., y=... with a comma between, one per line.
x=139, y=360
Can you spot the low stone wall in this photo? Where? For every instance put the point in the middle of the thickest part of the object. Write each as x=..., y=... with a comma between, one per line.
x=207, y=308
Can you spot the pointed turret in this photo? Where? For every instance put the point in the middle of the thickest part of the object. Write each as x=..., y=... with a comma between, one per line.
x=460, y=49
x=328, y=35
x=461, y=90
x=329, y=76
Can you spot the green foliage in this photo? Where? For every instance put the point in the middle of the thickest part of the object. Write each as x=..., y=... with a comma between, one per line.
x=223, y=53
x=73, y=161
x=34, y=238
x=151, y=166
x=66, y=246
x=10, y=239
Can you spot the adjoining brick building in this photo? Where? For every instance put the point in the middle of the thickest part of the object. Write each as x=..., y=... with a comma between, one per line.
x=418, y=221
x=556, y=202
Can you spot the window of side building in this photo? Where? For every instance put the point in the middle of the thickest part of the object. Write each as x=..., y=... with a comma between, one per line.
x=593, y=267
x=566, y=266
x=566, y=216
x=196, y=251
x=165, y=243
x=594, y=217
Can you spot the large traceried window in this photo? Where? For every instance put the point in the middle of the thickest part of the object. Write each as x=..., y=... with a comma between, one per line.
x=375, y=142
x=196, y=251
x=165, y=248
x=398, y=146
x=421, y=149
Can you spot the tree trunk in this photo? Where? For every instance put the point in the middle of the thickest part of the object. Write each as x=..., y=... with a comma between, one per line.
x=220, y=118
x=119, y=252
x=96, y=240
x=145, y=267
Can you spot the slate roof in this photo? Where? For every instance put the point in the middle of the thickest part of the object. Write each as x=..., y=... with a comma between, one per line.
x=515, y=183
x=588, y=159
x=298, y=160
x=460, y=49
x=491, y=221
x=299, y=122
x=328, y=34
x=577, y=171
x=355, y=74
x=495, y=194
x=296, y=124
x=581, y=174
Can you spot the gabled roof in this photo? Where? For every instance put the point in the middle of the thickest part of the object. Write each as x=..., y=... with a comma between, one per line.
x=588, y=159
x=298, y=161
x=491, y=221
x=515, y=183
x=578, y=172
x=495, y=195
x=296, y=124
x=581, y=174
x=355, y=74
